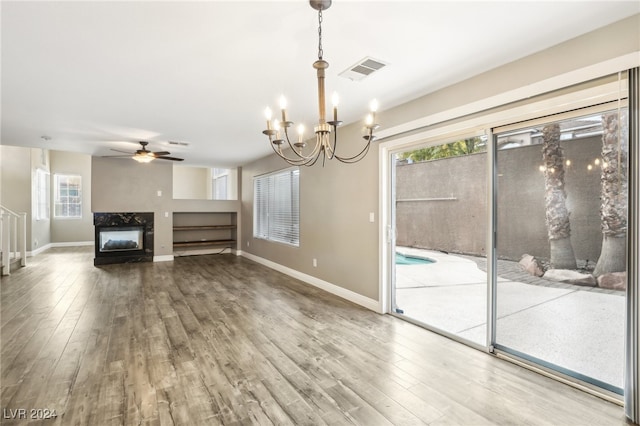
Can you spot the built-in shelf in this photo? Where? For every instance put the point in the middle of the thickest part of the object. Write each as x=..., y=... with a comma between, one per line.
x=203, y=232
x=203, y=243
x=202, y=227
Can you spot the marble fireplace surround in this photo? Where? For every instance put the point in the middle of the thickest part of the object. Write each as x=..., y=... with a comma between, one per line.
x=124, y=221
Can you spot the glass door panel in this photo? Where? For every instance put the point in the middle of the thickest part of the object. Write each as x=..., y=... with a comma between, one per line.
x=561, y=231
x=440, y=222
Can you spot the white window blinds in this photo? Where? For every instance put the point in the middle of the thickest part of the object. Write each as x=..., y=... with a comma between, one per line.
x=276, y=207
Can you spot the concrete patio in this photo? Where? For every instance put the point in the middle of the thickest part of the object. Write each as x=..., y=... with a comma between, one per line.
x=577, y=328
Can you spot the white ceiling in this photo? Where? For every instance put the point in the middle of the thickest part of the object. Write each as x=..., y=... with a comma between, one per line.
x=100, y=75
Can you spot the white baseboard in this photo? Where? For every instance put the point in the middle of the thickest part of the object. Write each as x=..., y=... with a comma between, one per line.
x=65, y=244
x=349, y=295
x=39, y=250
x=73, y=244
x=163, y=258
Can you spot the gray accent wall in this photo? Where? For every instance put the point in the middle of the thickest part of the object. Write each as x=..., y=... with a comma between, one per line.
x=121, y=185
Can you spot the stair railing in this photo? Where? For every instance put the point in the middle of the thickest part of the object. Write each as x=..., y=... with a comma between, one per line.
x=13, y=238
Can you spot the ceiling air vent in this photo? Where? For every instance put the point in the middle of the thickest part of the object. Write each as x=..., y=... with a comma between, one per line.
x=362, y=69
x=175, y=143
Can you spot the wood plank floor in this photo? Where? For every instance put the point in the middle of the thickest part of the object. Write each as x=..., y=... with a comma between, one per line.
x=208, y=340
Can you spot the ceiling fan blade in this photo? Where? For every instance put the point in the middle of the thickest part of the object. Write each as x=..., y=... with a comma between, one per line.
x=162, y=157
x=125, y=152
x=116, y=156
x=161, y=153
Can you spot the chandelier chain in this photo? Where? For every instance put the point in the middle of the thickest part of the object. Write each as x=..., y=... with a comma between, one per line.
x=320, y=52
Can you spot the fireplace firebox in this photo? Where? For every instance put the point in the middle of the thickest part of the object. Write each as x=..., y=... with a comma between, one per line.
x=123, y=237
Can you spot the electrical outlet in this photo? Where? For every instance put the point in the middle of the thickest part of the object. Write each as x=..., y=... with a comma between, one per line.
x=315, y=263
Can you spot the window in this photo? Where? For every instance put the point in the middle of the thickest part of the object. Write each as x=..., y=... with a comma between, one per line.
x=42, y=195
x=276, y=207
x=220, y=183
x=68, y=196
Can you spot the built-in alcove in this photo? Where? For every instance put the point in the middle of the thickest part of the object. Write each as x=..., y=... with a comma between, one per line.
x=204, y=232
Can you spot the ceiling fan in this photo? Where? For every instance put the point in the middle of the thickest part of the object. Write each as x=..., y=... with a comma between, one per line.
x=144, y=155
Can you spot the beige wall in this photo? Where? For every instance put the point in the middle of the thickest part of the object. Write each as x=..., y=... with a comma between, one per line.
x=15, y=189
x=191, y=183
x=607, y=43
x=336, y=200
x=73, y=230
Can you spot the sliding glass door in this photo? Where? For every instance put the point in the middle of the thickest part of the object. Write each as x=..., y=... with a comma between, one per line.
x=561, y=221
x=440, y=218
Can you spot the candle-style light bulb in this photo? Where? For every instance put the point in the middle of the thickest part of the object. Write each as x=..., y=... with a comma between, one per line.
x=373, y=106
x=300, y=132
x=334, y=101
x=267, y=115
x=369, y=120
x=283, y=107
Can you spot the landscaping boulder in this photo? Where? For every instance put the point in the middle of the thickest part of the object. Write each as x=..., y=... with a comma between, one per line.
x=571, y=277
x=531, y=265
x=613, y=281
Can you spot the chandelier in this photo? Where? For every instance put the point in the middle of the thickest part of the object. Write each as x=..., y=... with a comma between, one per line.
x=325, y=145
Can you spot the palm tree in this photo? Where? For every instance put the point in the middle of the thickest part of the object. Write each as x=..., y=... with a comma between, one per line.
x=557, y=215
x=613, y=182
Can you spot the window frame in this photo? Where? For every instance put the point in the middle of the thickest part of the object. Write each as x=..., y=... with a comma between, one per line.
x=42, y=197
x=59, y=178
x=219, y=175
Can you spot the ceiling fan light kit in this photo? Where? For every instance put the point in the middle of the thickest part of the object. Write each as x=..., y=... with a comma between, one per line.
x=325, y=146
x=143, y=155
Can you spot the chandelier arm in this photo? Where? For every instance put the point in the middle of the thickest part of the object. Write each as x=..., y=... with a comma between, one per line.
x=335, y=142
x=293, y=161
x=358, y=156
x=315, y=160
x=299, y=154
x=355, y=158
x=331, y=150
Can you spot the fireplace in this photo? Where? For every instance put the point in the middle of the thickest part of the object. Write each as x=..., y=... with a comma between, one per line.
x=123, y=237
